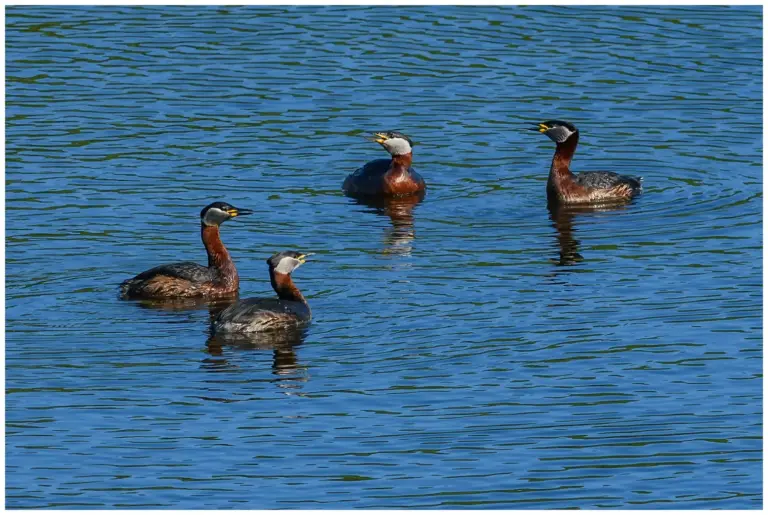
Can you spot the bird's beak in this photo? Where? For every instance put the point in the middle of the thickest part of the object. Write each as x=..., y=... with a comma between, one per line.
x=303, y=257
x=239, y=212
x=379, y=137
x=540, y=127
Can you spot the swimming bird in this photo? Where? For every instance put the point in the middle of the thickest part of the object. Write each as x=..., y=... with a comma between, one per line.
x=253, y=315
x=387, y=177
x=588, y=187
x=188, y=279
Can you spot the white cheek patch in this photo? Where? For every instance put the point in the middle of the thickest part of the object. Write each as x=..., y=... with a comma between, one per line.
x=561, y=134
x=287, y=265
x=398, y=146
x=214, y=216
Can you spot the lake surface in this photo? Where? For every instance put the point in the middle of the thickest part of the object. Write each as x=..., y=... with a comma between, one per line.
x=471, y=351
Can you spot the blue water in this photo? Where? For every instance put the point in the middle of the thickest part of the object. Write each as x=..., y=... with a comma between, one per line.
x=473, y=350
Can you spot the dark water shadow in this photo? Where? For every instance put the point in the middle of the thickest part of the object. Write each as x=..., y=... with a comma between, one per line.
x=213, y=306
x=289, y=373
x=398, y=238
x=563, y=218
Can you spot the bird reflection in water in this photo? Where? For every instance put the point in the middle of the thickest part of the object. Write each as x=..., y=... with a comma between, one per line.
x=290, y=374
x=398, y=238
x=562, y=217
x=213, y=306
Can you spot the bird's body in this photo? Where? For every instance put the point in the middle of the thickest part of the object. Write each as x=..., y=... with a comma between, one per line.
x=386, y=178
x=188, y=279
x=255, y=315
x=185, y=279
x=565, y=187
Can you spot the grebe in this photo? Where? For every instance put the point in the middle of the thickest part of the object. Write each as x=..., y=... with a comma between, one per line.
x=187, y=279
x=387, y=177
x=254, y=315
x=586, y=188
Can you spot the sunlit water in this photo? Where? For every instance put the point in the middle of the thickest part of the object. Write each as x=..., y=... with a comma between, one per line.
x=474, y=350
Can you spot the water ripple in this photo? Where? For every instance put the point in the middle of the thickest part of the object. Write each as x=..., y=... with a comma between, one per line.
x=471, y=350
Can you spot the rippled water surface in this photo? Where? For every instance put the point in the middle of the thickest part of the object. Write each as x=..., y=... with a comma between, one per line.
x=473, y=350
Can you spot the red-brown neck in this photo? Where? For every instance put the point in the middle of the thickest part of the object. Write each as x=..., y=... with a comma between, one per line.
x=400, y=164
x=284, y=287
x=561, y=161
x=218, y=256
